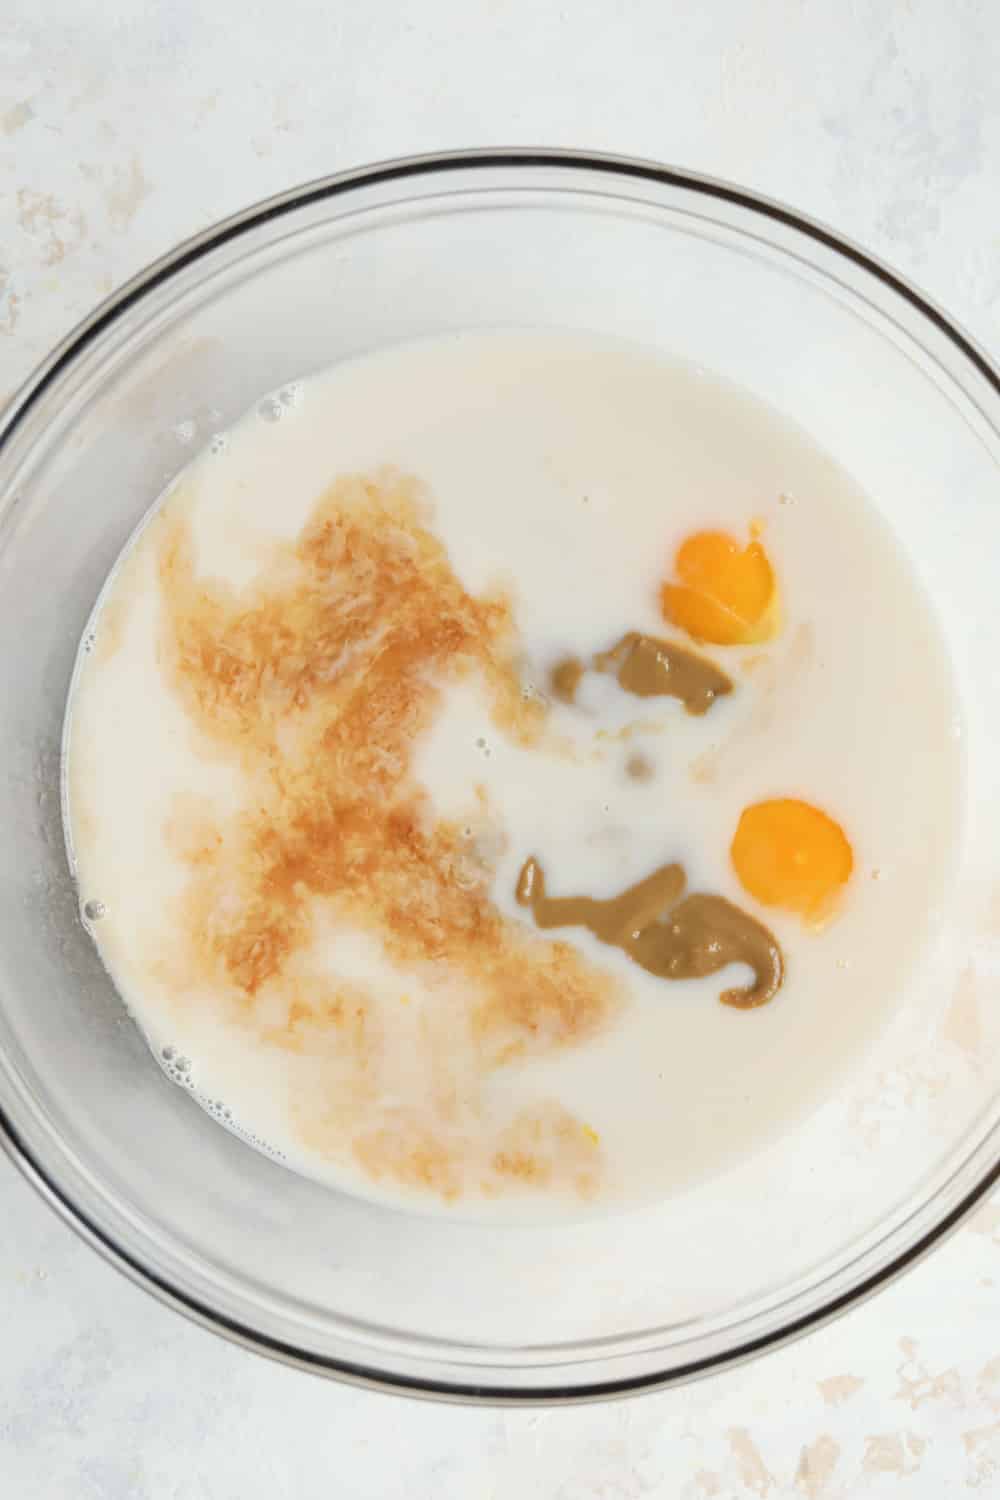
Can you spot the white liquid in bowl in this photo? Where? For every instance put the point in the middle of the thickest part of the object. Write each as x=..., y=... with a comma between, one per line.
x=256, y=823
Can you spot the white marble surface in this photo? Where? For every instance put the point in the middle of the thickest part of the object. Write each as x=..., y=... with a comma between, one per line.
x=126, y=126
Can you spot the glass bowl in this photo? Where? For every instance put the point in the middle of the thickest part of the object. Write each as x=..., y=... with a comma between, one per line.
x=797, y=1231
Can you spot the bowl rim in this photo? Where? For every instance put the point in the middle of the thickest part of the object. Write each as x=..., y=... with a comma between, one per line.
x=64, y=355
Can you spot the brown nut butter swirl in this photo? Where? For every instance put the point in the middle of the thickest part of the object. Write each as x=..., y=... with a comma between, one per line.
x=649, y=668
x=670, y=935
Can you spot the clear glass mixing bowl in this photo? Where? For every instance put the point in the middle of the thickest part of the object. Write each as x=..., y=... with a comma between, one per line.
x=798, y=1231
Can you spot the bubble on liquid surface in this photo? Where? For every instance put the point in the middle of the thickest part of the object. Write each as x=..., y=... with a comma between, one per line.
x=218, y=443
x=94, y=910
x=223, y=1114
x=180, y=1070
x=270, y=409
x=291, y=394
x=185, y=432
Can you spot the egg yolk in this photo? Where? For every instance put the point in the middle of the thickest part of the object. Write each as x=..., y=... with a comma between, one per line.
x=790, y=854
x=725, y=594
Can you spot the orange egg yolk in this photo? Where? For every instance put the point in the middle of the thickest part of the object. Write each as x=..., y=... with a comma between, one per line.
x=790, y=854
x=725, y=594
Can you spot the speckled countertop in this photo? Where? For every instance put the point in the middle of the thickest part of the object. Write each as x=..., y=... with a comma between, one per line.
x=124, y=127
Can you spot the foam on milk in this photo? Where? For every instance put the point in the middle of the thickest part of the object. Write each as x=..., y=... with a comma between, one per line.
x=565, y=470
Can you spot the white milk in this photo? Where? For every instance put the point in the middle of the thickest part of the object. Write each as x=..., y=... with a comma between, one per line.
x=565, y=471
